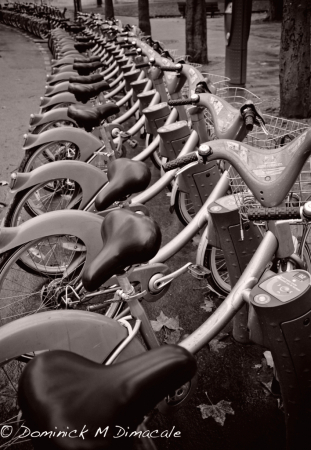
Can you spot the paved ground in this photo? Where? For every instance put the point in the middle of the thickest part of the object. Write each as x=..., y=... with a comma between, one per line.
x=229, y=374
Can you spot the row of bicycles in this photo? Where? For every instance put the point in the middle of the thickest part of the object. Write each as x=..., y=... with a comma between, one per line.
x=80, y=253
x=30, y=17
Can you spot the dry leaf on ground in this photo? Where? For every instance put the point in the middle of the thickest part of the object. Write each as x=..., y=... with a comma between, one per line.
x=216, y=344
x=217, y=412
x=173, y=337
x=269, y=359
x=208, y=305
x=164, y=321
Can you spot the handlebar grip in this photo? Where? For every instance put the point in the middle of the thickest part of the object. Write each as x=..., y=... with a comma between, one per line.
x=169, y=68
x=142, y=65
x=278, y=213
x=182, y=101
x=180, y=162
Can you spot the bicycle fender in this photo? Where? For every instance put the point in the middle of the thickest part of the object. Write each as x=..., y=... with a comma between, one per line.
x=84, y=225
x=63, y=61
x=63, y=97
x=62, y=76
x=86, y=142
x=88, y=334
x=50, y=116
x=90, y=178
x=57, y=89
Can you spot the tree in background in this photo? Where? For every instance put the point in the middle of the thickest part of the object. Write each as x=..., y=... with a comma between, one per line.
x=275, y=10
x=295, y=85
x=109, y=11
x=196, y=31
x=143, y=17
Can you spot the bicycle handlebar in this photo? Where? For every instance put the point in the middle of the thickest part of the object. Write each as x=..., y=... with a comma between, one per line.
x=278, y=213
x=180, y=162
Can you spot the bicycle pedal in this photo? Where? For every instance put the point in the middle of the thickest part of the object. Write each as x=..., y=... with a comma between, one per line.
x=198, y=271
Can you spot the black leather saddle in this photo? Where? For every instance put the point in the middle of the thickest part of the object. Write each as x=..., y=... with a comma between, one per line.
x=63, y=391
x=91, y=117
x=87, y=79
x=89, y=59
x=87, y=68
x=126, y=177
x=84, y=92
x=84, y=46
x=82, y=38
x=128, y=239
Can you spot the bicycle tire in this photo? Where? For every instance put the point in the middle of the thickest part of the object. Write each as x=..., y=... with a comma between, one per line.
x=183, y=207
x=57, y=195
x=53, y=151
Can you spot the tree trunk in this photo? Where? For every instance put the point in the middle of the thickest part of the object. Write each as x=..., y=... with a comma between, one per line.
x=143, y=17
x=275, y=10
x=196, y=32
x=295, y=60
x=109, y=11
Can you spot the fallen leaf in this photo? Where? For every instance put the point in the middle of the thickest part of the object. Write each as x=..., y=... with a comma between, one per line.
x=168, y=194
x=269, y=359
x=208, y=305
x=164, y=321
x=216, y=344
x=257, y=366
x=217, y=412
x=173, y=337
x=196, y=240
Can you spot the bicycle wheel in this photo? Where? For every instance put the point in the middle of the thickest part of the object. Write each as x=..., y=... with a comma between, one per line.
x=213, y=259
x=52, y=196
x=184, y=207
x=53, y=151
x=50, y=281
x=155, y=156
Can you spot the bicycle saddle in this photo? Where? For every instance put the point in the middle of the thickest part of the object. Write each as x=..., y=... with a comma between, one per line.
x=90, y=117
x=90, y=59
x=128, y=239
x=84, y=92
x=87, y=68
x=62, y=389
x=82, y=38
x=83, y=46
x=126, y=177
x=87, y=79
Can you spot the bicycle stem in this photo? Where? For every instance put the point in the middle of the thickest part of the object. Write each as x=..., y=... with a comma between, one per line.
x=234, y=301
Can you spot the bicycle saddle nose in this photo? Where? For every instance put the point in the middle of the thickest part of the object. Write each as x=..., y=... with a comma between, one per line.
x=90, y=117
x=128, y=239
x=84, y=92
x=87, y=79
x=126, y=177
x=62, y=389
x=87, y=68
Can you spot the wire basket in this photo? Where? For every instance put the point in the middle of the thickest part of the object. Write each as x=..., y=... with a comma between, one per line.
x=218, y=81
x=237, y=96
x=280, y=133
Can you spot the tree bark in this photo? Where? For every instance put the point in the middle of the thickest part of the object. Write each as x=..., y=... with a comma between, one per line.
x=275, y=10
x=109, y=11
x=295, y=60
x=196, y=31
x=143, y=17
